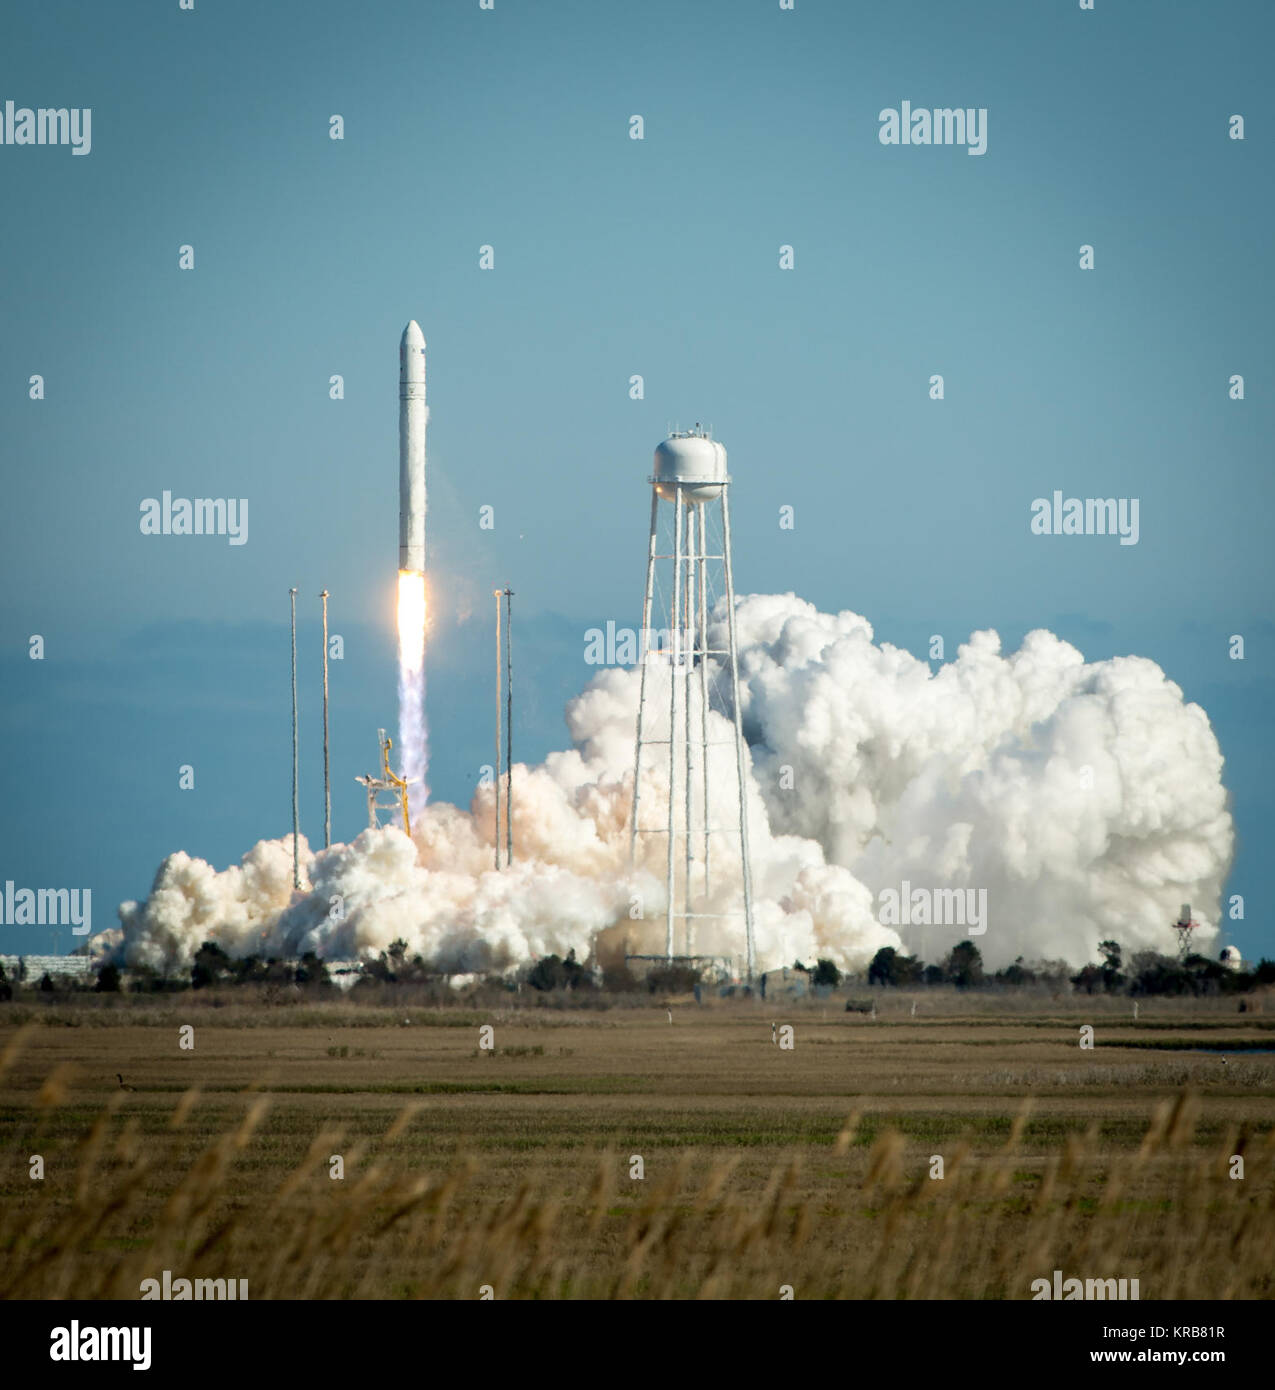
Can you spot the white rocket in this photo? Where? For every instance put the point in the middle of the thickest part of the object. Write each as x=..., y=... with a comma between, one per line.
x=413, y=415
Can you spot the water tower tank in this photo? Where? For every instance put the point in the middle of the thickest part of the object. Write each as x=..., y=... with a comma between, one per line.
x=695, y=461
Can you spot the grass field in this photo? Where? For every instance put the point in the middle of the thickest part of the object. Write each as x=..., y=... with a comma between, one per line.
x=513, y=1167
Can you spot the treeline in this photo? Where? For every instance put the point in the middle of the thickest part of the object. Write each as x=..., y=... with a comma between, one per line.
x=1146, y=973
x=212, y=966
x=549, y=973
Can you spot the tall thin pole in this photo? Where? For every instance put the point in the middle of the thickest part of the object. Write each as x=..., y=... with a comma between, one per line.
x=703, y=675
x=739, y=739
x=643, y=652
x=296, y=861
x=688, y=624
x=327, y=784
x=675, y=637
x=509, y=728
x=499, y=679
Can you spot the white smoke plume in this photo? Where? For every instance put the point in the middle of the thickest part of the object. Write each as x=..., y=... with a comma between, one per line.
x=1086, y=799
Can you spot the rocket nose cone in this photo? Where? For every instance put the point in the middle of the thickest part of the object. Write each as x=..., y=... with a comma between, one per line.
x=412, y=336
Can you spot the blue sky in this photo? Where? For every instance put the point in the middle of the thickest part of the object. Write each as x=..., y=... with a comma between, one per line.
x=612, y=257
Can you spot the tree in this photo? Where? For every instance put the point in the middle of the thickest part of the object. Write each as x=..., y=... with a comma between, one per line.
x=211, y=963
x=826, y=973
x=247, y=970
x=546, y=973
x=672, y=979
x=1112, y=979
x=312, y=971
x=6, y=989
x=890, y=968
x=108, y=979
x=909, y=970
x=551, y=972
x=280, y=972
x=46, y=983
x=964, y=965
x=392, y=966
x=619, y=979
x=577, y=977
x=145, y=979
x=1087, y=979
x=881, y=970
x=1157, y=974
x=1016, y=975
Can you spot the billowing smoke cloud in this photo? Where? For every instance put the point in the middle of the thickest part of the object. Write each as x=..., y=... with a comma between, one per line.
x=1085, y=800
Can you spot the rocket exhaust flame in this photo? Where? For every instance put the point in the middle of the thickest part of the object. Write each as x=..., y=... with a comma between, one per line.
x=411, y=620
x=413, y=734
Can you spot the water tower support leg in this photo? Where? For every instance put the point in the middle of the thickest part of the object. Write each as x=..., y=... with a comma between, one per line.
x=642, y=655
x=688, y=675
x=675, y=645
x=739, y=741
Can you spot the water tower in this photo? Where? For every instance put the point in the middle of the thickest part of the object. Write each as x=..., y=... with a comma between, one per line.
x=683, y=582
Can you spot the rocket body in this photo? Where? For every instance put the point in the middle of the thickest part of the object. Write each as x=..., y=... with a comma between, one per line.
x=413, y=415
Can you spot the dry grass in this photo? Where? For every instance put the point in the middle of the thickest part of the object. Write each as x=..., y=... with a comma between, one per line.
x=465, y=1169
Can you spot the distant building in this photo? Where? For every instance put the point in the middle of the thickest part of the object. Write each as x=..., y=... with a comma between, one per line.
x=77, y=968
x=714, y=969
x=786, y=982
